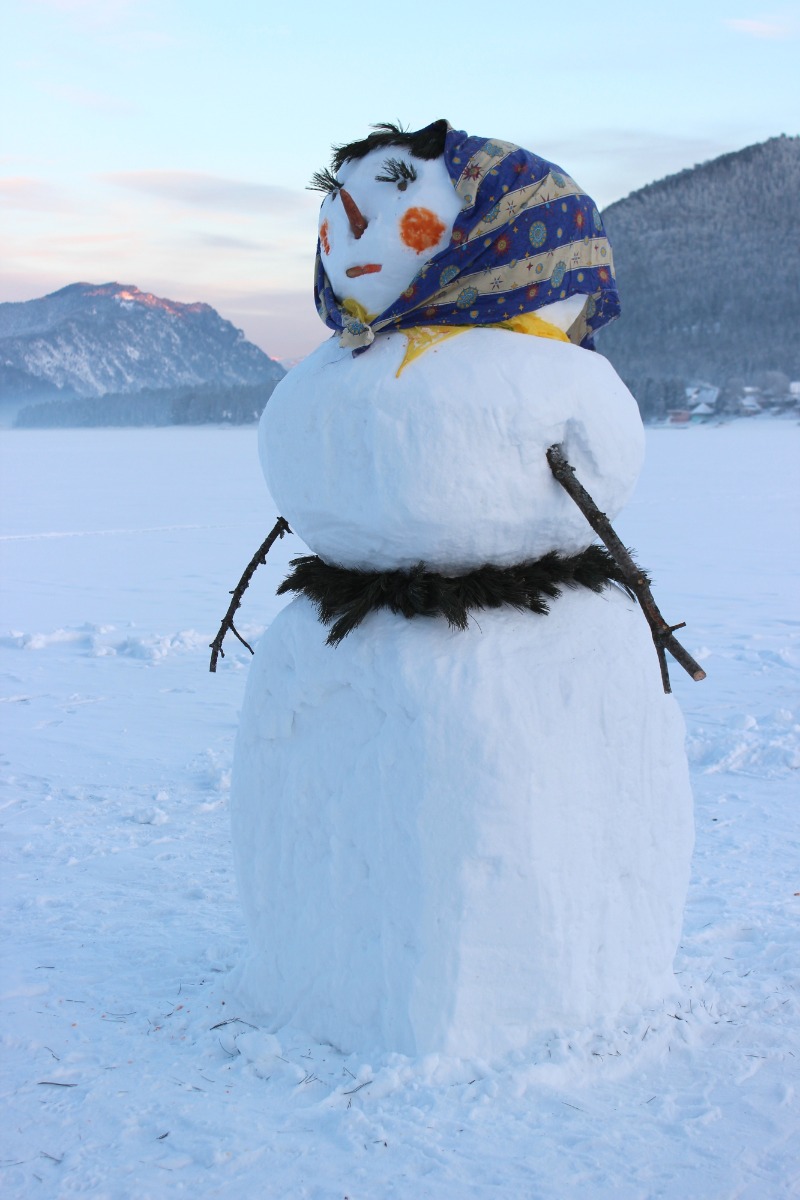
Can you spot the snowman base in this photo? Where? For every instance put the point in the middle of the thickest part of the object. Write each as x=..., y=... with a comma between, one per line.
x=495, y=846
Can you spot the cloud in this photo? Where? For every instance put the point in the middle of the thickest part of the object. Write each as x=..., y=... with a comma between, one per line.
x=213, y=192
x=221, y=241
x=32, y=195
x=95, y=12
x=16, y=286
x=95, y=256
x=611, y=163
x=102, y=102
x=111, y=21
x=775, y=27
x=283, y=323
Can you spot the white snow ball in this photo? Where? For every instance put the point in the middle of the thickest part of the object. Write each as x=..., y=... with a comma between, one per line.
x=444, y=461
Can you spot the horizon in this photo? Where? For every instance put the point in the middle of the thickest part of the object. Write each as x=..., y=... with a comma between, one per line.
x=144, y=145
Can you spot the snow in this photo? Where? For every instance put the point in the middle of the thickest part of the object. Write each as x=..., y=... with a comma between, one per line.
x=120, y=911
x=446, y=463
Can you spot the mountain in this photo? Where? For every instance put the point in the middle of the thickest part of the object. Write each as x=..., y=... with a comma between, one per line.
x=708, y=264
x=88, y=341
x=26, y=388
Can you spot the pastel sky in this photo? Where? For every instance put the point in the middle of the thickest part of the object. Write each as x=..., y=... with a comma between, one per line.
x=167, y=143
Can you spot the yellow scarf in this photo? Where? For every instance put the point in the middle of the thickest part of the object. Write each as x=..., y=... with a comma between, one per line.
x=420, y=338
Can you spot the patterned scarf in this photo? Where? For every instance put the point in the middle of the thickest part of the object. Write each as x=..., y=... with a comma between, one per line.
x=526, y=236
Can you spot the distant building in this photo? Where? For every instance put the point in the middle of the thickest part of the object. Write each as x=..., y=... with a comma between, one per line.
x=702, y=393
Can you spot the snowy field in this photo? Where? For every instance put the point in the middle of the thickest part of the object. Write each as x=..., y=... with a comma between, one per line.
x=129, y=1068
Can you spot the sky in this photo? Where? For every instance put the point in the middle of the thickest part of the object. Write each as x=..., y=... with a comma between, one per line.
x=168, y=143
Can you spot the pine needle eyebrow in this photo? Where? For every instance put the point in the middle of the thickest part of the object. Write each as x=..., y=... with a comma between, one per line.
x=397, y=171
x=323, y=181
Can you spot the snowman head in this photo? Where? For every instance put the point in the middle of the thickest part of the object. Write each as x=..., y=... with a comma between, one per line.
x=390, y=208
x=439, y=227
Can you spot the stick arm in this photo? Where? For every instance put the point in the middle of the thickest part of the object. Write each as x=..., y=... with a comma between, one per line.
x=259, y=558
x=663, y=634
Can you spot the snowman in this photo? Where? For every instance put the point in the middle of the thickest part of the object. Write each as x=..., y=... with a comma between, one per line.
x=455, y=833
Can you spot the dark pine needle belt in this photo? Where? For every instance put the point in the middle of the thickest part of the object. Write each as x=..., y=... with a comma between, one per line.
x=344, y=597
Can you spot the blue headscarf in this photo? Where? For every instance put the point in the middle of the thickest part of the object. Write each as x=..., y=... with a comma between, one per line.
x=526, y=236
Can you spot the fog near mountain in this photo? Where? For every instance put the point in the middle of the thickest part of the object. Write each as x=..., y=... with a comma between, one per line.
x=240, y=404
x=708, y=266
x=112, y=354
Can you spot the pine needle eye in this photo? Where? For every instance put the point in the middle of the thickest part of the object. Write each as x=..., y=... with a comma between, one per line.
x=324, y=181
x=397, y=171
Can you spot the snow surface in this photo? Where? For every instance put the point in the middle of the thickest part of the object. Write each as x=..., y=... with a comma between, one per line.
x=120, y=911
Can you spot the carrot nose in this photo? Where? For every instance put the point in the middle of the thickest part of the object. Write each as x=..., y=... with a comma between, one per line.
x=358, y=222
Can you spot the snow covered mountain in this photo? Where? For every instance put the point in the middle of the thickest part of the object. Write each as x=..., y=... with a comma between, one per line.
x=90, y=340
x=707, y=263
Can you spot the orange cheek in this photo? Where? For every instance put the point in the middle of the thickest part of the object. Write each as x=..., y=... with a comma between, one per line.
x=323, y=237
x=420, y=229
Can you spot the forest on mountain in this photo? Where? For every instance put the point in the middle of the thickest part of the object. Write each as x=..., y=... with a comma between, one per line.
x=708, y=268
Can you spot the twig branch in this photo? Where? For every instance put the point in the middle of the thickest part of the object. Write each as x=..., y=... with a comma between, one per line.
x=279, y=529
x=637, y=581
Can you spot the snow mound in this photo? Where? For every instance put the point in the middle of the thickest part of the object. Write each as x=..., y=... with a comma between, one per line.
x=97, y=641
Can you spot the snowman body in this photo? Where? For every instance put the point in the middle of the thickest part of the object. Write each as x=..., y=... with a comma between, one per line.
x=456, y=841
x=446, y=463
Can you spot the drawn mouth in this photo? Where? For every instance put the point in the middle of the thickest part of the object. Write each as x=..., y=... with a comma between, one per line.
x=367, y=269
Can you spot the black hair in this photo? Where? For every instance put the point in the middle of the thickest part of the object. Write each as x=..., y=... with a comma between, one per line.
x=323, y=181
x=423, y=143
x=397, y=171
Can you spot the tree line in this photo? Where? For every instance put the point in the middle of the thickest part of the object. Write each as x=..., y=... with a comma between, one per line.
x=240, y=404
